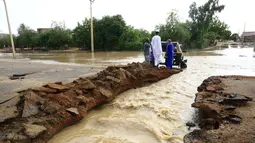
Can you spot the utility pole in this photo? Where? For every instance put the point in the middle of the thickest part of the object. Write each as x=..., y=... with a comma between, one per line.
x=91, y=26
x=243, y=34
x=10, y=32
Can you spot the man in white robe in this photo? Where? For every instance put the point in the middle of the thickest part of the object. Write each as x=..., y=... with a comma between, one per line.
x=157, y=48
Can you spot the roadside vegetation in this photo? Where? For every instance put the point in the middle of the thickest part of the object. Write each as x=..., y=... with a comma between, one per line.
x=203, y=29
x=111, y=33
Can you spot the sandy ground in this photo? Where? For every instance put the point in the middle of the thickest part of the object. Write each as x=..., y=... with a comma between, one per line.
x=245, y=131
x=220, y=123
x=37, y=75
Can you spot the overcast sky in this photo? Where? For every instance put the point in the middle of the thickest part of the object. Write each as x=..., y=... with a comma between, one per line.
x=144, y=14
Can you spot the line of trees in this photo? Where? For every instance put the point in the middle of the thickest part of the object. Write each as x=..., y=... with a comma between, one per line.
x=111, y=33
x=202, y=30
x=58, y=37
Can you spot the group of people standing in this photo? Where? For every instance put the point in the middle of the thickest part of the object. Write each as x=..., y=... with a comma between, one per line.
x=153, y=51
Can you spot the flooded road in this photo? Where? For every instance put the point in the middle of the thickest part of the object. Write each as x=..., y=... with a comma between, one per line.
x=152, y=114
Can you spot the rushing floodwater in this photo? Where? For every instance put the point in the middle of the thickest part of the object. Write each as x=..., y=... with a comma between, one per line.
x=152, y=114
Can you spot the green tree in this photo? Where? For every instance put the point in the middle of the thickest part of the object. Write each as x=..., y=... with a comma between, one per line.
x=220, y=29
x=110, y=33
x=81, y=33
x=202, y=19
x=4, y=41
x=55, y=39
x=132, y=39
x=235, y=37
x=111, y=29
x=174, y=29
x=26, y=37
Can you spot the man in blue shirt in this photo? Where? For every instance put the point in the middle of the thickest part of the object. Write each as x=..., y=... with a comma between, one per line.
x=169, y=54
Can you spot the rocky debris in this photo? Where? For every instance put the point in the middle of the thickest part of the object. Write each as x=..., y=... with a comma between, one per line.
x=228, y=112
x=197, y=136
x=8, y=113
x=113, y=79
x=49, y=107
x=57, y=86
x=8, y=109
x=105, y=92
x=230, y=108
x=209, y=124
x=88, y=85
x=210, y=84
x=32, y=130
x=214, y=101
x=13, y=136
x=44, y=89
x=84, y=84
x=82, y=99
x=16, y=77
x=19, y=76
x=46, y=110
x=31, y=102
x=190, y=124
x=234, y=99
x=73, y=111
x=233, y=119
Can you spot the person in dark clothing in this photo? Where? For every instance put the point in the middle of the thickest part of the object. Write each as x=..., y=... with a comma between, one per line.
x=169, y=54
x=152, y=59
x=147, y=51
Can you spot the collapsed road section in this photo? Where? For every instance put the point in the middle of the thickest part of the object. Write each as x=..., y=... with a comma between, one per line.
x=227, y=110
x=39, y=113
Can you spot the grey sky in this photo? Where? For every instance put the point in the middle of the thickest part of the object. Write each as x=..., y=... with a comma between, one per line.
x=138, y=13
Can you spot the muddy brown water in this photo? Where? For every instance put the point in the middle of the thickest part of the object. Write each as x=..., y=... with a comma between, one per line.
x=152, y=114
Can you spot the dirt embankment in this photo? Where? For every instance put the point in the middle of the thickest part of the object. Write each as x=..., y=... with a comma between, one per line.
x=39, y=113
x=227, y=108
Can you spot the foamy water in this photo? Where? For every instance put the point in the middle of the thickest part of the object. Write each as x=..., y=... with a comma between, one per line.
x=52, y=62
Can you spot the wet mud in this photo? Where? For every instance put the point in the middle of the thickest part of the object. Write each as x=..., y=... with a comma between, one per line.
x=39, y=113
x=227, y=109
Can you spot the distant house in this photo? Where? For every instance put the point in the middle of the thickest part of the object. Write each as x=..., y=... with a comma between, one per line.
x=42, y=30
x=248, y=36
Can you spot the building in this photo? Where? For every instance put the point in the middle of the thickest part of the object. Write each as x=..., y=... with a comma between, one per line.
x=42, y=30
x=248, y=36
